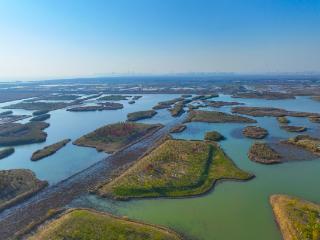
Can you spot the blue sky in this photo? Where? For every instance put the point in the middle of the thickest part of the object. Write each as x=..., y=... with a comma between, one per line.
x=72, y=38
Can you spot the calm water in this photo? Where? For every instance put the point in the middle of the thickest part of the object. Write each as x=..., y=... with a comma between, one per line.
x=233, y=210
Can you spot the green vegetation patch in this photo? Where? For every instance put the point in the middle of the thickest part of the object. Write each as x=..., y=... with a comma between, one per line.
x=214, y=136
x=216, y=117
x=255, y=132
x=263, y=153
x=16, y=185
x=18, y=134
x=113, y=137
x=49, y=150
x=82, y=224
x=307, y=142
x=6, y=152
x=177, y=168
x=135, y=116
x=298, y=219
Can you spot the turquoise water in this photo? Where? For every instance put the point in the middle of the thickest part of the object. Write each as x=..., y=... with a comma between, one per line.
x=233, y=210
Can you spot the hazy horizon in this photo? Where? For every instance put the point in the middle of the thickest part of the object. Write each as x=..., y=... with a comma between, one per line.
x=75, y=39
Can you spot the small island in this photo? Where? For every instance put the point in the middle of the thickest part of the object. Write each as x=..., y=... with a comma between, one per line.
x=16, y=185
x=293, y=128
x=40, y=118
x=255, y=132
x=100, y=107
x=306, y=142
x=167, y=104
x=135, y=98
x=40, y=112
x=114, y=137
x=132, y=102
x=113, y=98
x=93, y=225
x=216, y=117
x=135, y=116
x=270, y=112
x=283, y=120
x=18, y=134
x=6, y=152
x=32, y=106
x=178, y=128
x=49, y=150
x=176, y=168
x=204, y=97
x=298, y=219
x=6, y=113
x=218, y=104
x=263, y=153
x=214, y=136
x=264, y=95
x=177, y=109
x=314, y=119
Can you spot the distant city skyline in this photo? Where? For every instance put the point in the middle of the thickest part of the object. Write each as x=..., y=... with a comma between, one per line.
x=77, y=38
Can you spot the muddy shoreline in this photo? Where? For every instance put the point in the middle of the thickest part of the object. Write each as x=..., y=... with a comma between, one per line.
x=33, y=209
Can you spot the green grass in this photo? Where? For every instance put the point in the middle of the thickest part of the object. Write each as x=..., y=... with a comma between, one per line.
x=298, y=219
x=113, y=137
x=81, y=224
x=177, y=168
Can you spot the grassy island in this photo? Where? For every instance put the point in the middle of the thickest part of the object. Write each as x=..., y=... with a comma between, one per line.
x=85, y=224
x=113, y=98
x=218, y=104
x=178, y=128
x=298, y=219
x=270, y=112
x=32, y=106
x=255, y=132
x=293, y=128
x=167, y=104
x=264, y=95
x=307, y=142
x=216, y=117
x=40, y=112
x=176, y=168
x=113, y=137
x=177, y=109
x=19, y=134
x=314, y=119
x=49, y=150
x=263, y=153
x=16, y=185
x=100, y=107
x=6, y=152
x=135, y=116
x=283, y=120
x=213, y=136
x=40, y=118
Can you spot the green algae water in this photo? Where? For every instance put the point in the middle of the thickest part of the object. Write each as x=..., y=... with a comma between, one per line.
x=232, y=210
